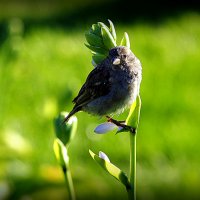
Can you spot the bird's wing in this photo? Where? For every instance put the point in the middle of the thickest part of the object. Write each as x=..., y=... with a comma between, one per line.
x=97, y=84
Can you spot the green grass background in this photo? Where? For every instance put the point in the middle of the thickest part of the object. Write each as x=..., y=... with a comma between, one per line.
x=43, y=69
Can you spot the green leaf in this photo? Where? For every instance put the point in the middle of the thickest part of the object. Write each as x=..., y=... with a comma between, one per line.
x=111, y=169
x=94, y=40
x=98, y=58
x=112, y=30
x=61, y=153
x=102, y=25
x=101, y=39
x=96, y=29
x=134, y=113
x=65, y=132
x=125, y=40
x=108, y=39
x=97, y=49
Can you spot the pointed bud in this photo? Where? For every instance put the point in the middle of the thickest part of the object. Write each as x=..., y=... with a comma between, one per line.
x=65, y=131
x=103, y=156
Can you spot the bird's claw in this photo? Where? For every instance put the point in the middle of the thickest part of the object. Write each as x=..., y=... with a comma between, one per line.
x=121, y=124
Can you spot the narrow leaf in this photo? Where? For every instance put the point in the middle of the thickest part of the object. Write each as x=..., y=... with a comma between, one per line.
x=61, y=153
x=102, y=25
x=111, y=169
x=134, y=113
x=98, y=58
x=125, y=40
x=112, y=30
x=94, y=40
x=108, y=39
x=96, y=29
x=97, y=49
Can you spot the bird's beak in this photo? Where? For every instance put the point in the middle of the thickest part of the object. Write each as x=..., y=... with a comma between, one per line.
x=116, y=61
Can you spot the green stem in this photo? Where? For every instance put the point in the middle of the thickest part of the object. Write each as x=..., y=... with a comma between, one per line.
x=132, y=191
x=69, y=182
x=133, y=119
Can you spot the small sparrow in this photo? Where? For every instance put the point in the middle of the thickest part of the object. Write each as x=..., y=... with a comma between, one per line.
x=111, y=86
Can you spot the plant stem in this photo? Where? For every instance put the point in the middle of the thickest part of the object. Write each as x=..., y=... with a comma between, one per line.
x=134, y=120
x=69, y=182
x=132, y=190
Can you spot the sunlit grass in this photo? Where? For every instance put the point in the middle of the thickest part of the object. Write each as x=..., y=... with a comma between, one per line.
x=40, y=77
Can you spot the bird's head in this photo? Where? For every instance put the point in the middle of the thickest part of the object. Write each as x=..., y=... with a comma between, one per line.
x=121, y=55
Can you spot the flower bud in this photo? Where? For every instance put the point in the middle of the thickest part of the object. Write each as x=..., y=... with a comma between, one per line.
x=103, y=156
x=65, y=131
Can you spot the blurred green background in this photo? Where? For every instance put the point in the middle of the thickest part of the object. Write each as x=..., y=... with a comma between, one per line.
x=43, y=63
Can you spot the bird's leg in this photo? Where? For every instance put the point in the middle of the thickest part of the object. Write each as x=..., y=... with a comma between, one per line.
x=121, y=124
x=118, y=123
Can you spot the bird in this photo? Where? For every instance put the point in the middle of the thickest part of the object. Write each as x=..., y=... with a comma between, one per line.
x=112, y=86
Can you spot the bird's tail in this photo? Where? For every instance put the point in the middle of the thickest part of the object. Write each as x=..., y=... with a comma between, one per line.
x=74, y=110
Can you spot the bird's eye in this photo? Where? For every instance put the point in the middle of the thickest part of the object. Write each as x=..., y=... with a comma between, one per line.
x=124, y=56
